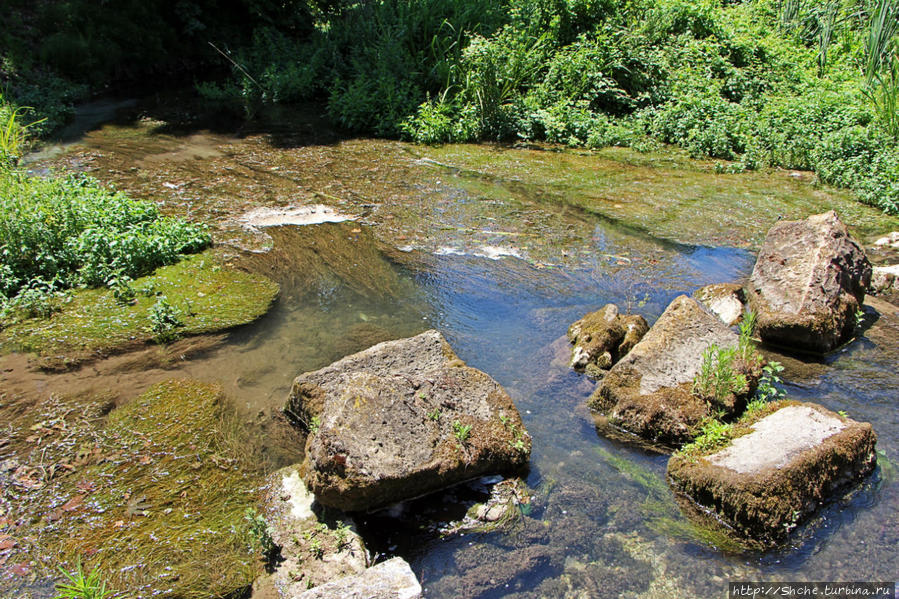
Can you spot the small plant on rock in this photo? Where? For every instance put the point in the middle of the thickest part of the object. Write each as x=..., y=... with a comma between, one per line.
x=461, y=431
x=712, y=434
x=260, y=533
x=718, y=377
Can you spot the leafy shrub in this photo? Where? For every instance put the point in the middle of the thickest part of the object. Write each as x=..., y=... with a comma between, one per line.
x=863, y=160
x=707, y=125
x=67, y=232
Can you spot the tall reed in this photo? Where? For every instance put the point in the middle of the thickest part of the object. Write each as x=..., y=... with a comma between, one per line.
x=880, y=41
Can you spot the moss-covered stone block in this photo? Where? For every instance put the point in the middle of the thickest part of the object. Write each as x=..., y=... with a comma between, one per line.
x=767, y=481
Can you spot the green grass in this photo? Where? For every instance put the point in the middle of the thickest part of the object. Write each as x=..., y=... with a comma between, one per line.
x=81, y=586
x=208, y=295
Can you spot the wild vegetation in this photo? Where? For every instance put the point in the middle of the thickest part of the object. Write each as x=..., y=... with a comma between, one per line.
x=790, y=84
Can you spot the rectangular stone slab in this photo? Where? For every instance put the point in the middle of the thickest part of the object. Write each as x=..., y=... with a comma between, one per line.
x=765, y=483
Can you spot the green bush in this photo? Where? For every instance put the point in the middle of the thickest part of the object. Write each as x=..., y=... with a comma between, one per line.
x=58, y=233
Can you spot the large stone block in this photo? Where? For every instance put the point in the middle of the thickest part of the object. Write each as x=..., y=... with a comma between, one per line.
x=650, y=391
x=763, y=484
x=808, y=283
x=402, y=419
x=392, y=579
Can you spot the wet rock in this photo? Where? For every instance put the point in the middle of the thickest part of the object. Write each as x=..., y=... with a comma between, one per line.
x=808, y=283
x=502, y=507
x=889, y=241
x=763, y=484
x=723, y=299
x=402, y=419
x=603, y=337
x=884, y=280
x=313, y=547
x=649, y=392
x=392, y=579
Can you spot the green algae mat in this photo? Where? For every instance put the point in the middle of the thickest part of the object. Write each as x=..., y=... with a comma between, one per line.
x=205, y=295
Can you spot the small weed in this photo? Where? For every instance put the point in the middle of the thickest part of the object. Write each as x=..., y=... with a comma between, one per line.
x=712, y=434
x=122, y=290
x=767, y=390
x=843, y=413
x=315, y=423
x=260, y=532
x=165, y=320
x=434, y=415
x=717, y=378
x=461, y=431
x=81, y=586
x=342, y=534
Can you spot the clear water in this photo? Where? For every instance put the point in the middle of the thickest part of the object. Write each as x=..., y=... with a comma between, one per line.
x=502, y=266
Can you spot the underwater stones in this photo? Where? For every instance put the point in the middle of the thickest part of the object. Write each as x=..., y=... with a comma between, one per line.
x=764, y=483
x=311, y=551
x=808, y=283
x=402, y=419
x=649, y=391
x=723, y=299
x=601, y=338
x=392, y=579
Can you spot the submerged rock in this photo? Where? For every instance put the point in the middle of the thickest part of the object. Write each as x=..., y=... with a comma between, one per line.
x=763, y=484
x=311, y=550
x=392, y=579
x=726, y=300
x=650, y=391
x=808, y=283
x=402, y=419
x=603, y=337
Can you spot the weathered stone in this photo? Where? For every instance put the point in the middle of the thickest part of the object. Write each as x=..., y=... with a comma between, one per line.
x=764, y=483
x=312, y=551
x=723, y=299
x=891, y=240
x=884, y=280
x=392, y=579
x=402, y=419
x=601, y=338
x=808, y=283
x=649, y=392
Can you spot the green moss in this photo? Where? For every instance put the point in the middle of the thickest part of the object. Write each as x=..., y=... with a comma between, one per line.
x=661, y=513
x=209, y=296
x=660, y=193
x=154, y=495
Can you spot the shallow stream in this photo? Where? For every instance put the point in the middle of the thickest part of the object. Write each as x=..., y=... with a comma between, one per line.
x=501, y=249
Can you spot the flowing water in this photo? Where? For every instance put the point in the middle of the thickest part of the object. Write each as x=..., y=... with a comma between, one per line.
x=501, y=249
